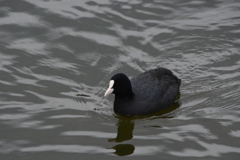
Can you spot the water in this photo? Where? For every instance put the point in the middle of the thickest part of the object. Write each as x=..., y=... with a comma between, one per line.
x=50, y=51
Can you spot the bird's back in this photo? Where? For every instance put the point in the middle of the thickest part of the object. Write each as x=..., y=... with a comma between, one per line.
x=154, y=90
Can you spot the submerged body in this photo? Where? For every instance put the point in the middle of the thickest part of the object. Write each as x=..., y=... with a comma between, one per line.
x=147, y=93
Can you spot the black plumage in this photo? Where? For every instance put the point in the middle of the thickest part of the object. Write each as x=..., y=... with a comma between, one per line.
x=145, y=94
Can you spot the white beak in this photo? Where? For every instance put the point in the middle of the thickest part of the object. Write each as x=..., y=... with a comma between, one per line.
x=110, y=89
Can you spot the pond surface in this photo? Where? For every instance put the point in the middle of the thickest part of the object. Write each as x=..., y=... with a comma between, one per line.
x=50, y=51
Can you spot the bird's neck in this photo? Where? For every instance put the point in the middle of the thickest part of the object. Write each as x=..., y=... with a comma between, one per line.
x=125, y=95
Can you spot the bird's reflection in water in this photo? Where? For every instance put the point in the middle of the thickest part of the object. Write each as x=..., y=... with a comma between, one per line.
x=125, y=129
x=125, y=132
x=123, y=149
x=126, y=126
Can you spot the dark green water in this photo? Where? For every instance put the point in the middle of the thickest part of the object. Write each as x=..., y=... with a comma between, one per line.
x=50, y=51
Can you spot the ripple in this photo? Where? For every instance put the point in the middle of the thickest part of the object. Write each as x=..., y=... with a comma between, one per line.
x=65, y=148
x=94, y=134
x=21, y=19
x=13, y=116
x=235, y=133
x=215, y=150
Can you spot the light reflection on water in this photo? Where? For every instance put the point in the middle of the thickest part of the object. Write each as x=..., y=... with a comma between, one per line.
x=50, y=51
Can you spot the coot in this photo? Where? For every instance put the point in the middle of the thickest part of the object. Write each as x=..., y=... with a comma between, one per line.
x=145, y=94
